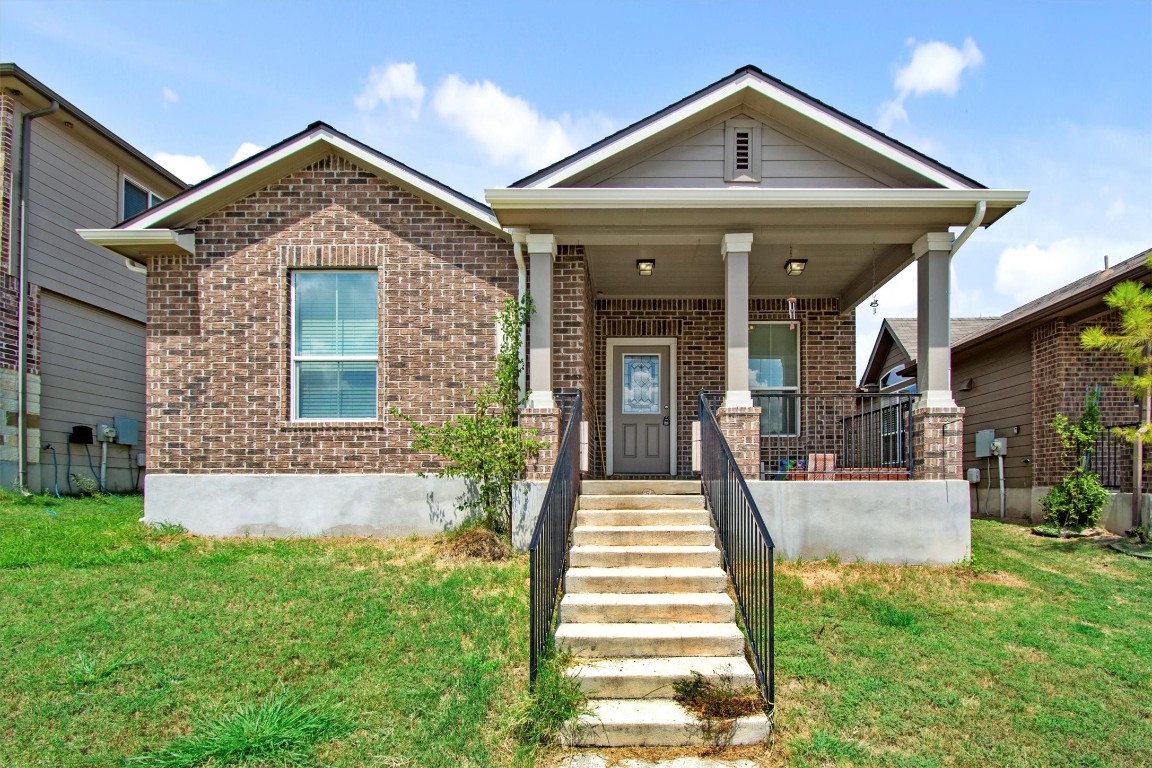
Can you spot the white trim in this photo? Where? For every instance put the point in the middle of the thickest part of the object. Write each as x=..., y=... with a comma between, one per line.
x=540, y=244
x=609, y=400
x=113, y=238
x=760, y=197
x=772, y=92
x=125, y=178
x=932, y=241
x=457, y=203
x=736, y=242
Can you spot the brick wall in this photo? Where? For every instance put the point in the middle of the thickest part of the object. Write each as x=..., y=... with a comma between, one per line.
x=219, y=333
x=1062, y=374
x=7, y=176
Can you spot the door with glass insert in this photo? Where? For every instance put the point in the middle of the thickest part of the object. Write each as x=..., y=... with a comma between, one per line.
x=641, y=410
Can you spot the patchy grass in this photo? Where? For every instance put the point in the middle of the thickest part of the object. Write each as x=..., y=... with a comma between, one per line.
x=1041, y=656
x=120, y=641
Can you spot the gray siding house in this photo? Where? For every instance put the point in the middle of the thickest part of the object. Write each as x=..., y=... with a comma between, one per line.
x=79, y=309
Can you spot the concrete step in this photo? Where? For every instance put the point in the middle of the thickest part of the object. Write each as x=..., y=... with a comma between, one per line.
x=674, y=608
x=653, y=723
x=653, y=678
x=640, y=535
x=645, y=580
x=599, y=556
x=652, y=501
x=642, y=517
x=623, y=487
x=598, y=641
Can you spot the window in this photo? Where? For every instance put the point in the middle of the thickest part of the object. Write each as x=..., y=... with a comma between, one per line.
x=136, y=199
x=774, y=375
x=742, y=150
x=335, y=343
x=891, y=381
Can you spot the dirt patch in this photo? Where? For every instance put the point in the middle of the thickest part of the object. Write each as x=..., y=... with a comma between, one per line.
x=475, y=544
x=760, y=754
x=1001, y=579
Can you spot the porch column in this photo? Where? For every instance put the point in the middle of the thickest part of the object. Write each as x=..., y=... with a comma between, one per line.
x=937, y=424
x=734, y=248
x=541, y=254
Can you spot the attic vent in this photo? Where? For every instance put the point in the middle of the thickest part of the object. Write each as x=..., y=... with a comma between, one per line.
x=742, y=150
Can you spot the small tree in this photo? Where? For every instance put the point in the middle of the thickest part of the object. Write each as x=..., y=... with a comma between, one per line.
x=1133, y=300
x=488, y=447
x=1077, y=500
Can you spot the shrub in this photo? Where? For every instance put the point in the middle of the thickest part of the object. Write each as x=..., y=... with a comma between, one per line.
x=1076, y=501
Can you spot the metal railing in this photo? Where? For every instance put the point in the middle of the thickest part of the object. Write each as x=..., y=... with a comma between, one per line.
x=747, y=546
x=850, y=436
x=549, y=548
x=1111, y=460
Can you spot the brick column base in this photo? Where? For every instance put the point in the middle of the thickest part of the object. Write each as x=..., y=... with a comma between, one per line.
x=546, y=423
x=938, y=444
x=741, y=428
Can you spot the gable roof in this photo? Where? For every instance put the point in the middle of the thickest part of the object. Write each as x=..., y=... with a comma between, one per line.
x=47, y=95
x=904, y=334
x=298, y=151
x=1088, y=289
x=749, y=79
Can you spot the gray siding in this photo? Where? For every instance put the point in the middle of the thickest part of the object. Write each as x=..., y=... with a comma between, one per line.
x=92, y=369
x=73, y=186
x=1000, y=399
x=698, y=161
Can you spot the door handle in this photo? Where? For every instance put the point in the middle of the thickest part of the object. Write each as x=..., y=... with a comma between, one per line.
x=665, y=421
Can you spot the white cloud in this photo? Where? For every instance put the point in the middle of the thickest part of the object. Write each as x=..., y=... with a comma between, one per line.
x=170, y=96
x=245, y=151
x=935, y=67
x=1030, y=271
x=396, y=86
x=509, y=129
x=189, y=168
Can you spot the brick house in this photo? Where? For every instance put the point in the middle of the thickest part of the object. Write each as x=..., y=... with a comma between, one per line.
x=720, y=246
x=1013, y=374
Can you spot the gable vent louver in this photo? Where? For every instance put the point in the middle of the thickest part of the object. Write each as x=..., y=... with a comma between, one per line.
x=743, y=150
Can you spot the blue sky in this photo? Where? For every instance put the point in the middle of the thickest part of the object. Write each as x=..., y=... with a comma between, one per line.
x=1054, y=97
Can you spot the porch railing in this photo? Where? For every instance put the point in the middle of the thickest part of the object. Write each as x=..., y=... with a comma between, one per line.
x=1111, y=460
x=548, y=550
x=849, y=436
x=747, y=545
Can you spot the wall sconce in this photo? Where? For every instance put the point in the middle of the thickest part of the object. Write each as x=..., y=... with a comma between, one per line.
x=794, y=267
x=645, y=267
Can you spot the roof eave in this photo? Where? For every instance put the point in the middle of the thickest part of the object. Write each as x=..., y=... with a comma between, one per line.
x=138, y=244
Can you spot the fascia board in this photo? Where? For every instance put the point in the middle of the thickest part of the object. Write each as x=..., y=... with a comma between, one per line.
x=130, y=243
x=163, y=213
x=770, y=92
x=592, y=198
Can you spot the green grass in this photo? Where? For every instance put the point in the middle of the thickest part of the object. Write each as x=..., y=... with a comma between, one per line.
x=1041, y=655
x=120, y=642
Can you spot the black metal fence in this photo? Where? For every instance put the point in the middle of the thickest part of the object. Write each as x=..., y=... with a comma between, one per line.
x=549, y=548
x=1111, y=460
x=745, y=541
x=849, y=436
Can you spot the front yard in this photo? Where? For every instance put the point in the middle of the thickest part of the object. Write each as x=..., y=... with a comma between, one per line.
x=117, y=641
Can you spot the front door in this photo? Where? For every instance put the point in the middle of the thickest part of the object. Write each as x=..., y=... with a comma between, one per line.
x=641, y=409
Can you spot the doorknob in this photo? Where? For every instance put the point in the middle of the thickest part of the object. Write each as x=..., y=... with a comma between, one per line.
x=665, y=421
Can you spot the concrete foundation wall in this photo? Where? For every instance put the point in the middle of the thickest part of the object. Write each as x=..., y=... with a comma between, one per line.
x=917, y=522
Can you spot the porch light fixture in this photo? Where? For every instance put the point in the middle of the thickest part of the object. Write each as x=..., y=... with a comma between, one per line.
x=794, y=267
x=645, y=267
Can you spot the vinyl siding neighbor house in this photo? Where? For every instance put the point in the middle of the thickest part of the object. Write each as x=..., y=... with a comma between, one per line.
x=720, y=246
x=85, y=313
x=1013, y=375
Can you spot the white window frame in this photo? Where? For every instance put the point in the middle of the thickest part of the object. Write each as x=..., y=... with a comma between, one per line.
x=294, y=358
x=153, y=198
x=796, y=390
x=731, y=127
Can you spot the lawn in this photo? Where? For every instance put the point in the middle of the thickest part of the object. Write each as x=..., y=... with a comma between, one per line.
x=117, y=641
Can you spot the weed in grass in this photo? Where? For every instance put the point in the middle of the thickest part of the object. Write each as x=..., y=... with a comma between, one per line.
x=717, y=705
x=476, y=542
x=281, y=729
x=550, y=710
x=167, y=528
x=90, y=669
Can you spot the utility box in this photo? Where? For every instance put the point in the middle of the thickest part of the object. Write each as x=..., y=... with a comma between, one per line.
x=974, y=475
x=127, y=430
x=984, y=440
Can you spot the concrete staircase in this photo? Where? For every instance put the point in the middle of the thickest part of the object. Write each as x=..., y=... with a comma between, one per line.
x=645, y=604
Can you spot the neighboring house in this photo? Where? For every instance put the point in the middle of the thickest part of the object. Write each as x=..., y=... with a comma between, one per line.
x=895, y=352
x=1014, y=374
x=720, y=245
x=84, y=314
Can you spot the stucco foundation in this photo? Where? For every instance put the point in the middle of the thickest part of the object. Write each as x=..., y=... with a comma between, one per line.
x=915, y=522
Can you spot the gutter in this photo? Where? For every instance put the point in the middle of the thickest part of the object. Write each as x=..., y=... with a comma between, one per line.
x=22, y=282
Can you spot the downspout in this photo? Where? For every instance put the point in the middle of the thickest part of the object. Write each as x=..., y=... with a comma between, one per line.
x=519, y=234
x=22, y=302
x=977, y=220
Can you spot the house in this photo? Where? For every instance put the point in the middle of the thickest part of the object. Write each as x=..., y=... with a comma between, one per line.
x=82, y=314
x=1014, y=374
x=895, y=352
x=720, y=245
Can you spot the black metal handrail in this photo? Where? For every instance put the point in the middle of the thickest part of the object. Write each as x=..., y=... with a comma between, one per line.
x=747, y=545
x=1111, y=459
x=549, y=548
